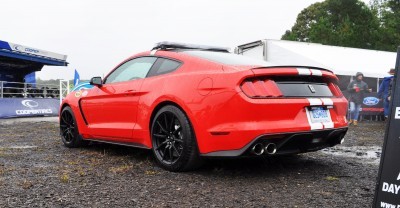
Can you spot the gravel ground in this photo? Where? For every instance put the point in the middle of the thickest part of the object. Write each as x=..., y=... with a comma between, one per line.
x=36, y=170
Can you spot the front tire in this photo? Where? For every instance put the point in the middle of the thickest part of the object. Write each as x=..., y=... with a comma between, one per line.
x=174, y=142
x=69, y=129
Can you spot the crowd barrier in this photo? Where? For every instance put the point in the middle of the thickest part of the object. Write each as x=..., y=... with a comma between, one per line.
x=28, y=90
x=28, y=99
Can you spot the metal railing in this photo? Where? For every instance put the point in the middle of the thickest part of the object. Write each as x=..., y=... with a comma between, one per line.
x=28, y=90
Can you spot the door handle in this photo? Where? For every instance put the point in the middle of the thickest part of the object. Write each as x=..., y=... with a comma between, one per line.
x=130, y=92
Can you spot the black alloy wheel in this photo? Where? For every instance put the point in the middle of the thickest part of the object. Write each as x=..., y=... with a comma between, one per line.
x=69, y=129
x=174, y=143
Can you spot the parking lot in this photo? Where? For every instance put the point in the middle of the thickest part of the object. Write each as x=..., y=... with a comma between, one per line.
x=37, y=170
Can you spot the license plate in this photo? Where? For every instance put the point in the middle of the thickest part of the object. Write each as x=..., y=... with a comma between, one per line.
x=319, y=115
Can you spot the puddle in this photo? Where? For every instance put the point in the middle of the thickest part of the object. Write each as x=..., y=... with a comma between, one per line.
x=371, y=154
x=21, y=147
x=9, y=121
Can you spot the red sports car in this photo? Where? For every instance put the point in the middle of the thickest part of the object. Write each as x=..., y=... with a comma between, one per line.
x=187, y=102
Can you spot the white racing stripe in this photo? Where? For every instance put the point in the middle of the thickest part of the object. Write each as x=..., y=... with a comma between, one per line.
x=328, y=125
x=327, y=101
x=153, y=52
x=303, y=71
x=314, y=101
x=315, y=72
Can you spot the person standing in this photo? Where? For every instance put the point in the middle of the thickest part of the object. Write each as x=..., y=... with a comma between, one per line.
x=357, y=88
x=383, y=92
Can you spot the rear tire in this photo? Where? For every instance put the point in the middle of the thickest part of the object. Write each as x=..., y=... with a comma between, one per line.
x=69, y=129
x=174, y=142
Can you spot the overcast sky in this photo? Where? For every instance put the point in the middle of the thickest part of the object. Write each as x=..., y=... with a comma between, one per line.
x=98, y=34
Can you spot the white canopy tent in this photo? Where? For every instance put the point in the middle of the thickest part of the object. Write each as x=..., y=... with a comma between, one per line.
x=341, y=60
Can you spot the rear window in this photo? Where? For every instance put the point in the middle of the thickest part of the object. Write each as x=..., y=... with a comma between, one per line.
x=163, y=66
x=227, y=58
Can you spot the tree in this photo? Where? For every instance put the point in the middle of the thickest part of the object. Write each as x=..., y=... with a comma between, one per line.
x=388, y=14
x=349, y=23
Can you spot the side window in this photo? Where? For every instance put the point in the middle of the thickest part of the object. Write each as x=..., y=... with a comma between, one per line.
x=130, y=70
x=163, y=66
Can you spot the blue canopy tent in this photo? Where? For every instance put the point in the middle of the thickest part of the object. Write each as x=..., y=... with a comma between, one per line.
x=16, y=62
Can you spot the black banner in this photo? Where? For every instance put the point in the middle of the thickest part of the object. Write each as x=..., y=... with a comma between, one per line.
x=371, y=105
x=387, y=192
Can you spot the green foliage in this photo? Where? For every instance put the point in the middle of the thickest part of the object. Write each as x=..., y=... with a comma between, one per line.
x=349, y=23
x=388, y=13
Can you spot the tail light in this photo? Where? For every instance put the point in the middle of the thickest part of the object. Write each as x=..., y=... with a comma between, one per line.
x=335, y=90
x=260, y=88
x=285, y=86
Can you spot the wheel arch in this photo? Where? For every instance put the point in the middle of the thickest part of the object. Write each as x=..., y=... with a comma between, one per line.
x=169, y=102
x=161, y=105
x=63, y=106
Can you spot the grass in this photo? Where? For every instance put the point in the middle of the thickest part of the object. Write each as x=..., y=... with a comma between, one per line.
x=26, y=184
x=72, y=162
x=2, y=153
x=64, y=178
x=121, y=169
x=151, y=172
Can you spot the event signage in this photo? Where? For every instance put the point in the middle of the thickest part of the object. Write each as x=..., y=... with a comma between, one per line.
x=22, y=107
x=31, y=50
x=372, y=105
x=371, y=101
x=387, y=192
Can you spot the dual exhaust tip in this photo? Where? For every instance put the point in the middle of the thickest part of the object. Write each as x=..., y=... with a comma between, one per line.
x=270, y=148
x=259, y=149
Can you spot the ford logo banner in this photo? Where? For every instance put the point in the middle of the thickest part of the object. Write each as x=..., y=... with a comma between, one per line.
x=371, y=101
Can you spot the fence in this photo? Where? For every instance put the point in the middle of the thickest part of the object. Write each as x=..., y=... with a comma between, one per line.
x=28, y=90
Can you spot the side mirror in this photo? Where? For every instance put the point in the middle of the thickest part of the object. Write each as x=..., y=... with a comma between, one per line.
x=96, y=81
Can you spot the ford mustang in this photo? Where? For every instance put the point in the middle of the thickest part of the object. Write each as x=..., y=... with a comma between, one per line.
x=188, y=102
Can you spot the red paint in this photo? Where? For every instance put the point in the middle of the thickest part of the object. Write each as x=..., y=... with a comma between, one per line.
x=216, y=98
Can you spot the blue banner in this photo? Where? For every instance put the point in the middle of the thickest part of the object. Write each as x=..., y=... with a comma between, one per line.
x=76, y=78
x=31, y=79
x=24, y=107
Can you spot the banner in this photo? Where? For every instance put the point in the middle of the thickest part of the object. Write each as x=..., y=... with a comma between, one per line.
x=76, y=78
x=24, y=107
x=371, y=104
x=31, y=79
x=387, y=191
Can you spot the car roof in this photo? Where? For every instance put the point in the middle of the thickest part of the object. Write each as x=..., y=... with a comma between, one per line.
x=166, y=45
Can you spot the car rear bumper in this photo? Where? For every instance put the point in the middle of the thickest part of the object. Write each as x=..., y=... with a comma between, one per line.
x=238, y=121
x=288, y=143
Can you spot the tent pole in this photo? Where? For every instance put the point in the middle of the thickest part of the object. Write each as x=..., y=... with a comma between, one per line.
x=1, y=88
x=377, y=85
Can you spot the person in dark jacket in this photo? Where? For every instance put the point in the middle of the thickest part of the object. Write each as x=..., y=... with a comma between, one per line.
x=357, y=88
x=383, y=92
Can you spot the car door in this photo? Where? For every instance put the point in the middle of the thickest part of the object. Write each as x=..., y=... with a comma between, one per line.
x=111, y=109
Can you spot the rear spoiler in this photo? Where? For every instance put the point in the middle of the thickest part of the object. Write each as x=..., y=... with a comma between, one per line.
x=291, y=66
x=293, y=71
